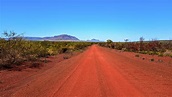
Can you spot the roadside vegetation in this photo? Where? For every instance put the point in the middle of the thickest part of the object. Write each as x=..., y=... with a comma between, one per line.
x=14, y=50
x=154, y=47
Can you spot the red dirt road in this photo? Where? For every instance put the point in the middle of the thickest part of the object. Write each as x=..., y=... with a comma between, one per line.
x=99, y=72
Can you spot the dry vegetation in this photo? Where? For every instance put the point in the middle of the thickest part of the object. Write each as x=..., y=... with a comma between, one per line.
x=154, y=47
x=14, y=50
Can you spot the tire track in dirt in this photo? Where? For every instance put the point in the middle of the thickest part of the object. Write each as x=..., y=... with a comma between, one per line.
x=96, y=74
x=46, y=83
x=83, y=82
x=154, y=80
x=67, y=78
x=117, y=83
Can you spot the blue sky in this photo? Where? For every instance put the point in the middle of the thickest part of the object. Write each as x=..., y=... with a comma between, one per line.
x=87, y=19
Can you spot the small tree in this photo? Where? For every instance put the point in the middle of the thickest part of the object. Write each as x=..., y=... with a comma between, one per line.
x=11, y=49
x=126, y=44
x=141, y=43
x=126, y=40
x=110, y=43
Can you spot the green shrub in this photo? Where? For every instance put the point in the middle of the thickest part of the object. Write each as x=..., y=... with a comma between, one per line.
x=14, y=50
x=151, y=53
x=10, y=51
x=159, y=54
x=143, y=52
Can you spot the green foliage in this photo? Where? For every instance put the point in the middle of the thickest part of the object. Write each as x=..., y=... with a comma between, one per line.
x=154, y=47
x=14, y=49
x=109, y=41
x=143, y=52
x=10, y=49
x=119, y=45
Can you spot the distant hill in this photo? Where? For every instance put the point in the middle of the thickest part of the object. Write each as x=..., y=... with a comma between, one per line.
x=63, y=37
x=33, y=38
x=94, y=40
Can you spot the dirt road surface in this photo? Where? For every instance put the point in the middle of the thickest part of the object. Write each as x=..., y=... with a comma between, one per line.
x=98, y=72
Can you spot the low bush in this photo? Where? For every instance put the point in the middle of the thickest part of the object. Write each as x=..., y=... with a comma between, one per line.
x=152, y=59
x=143, y=52
x=137, y=55
x=159, y=54
x=65, y=57
x=15, y=50
x=167, y=53
x=154, y=47
x=35, y=65
x=151, y=53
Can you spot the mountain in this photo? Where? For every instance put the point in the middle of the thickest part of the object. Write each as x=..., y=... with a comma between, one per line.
x=94, y=40
x=33, y=38
x=63, y=37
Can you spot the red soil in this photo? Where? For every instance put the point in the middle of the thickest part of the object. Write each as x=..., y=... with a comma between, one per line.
x=98, y=72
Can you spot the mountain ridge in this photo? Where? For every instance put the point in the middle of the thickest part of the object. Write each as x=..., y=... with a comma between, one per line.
x=62, y=37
